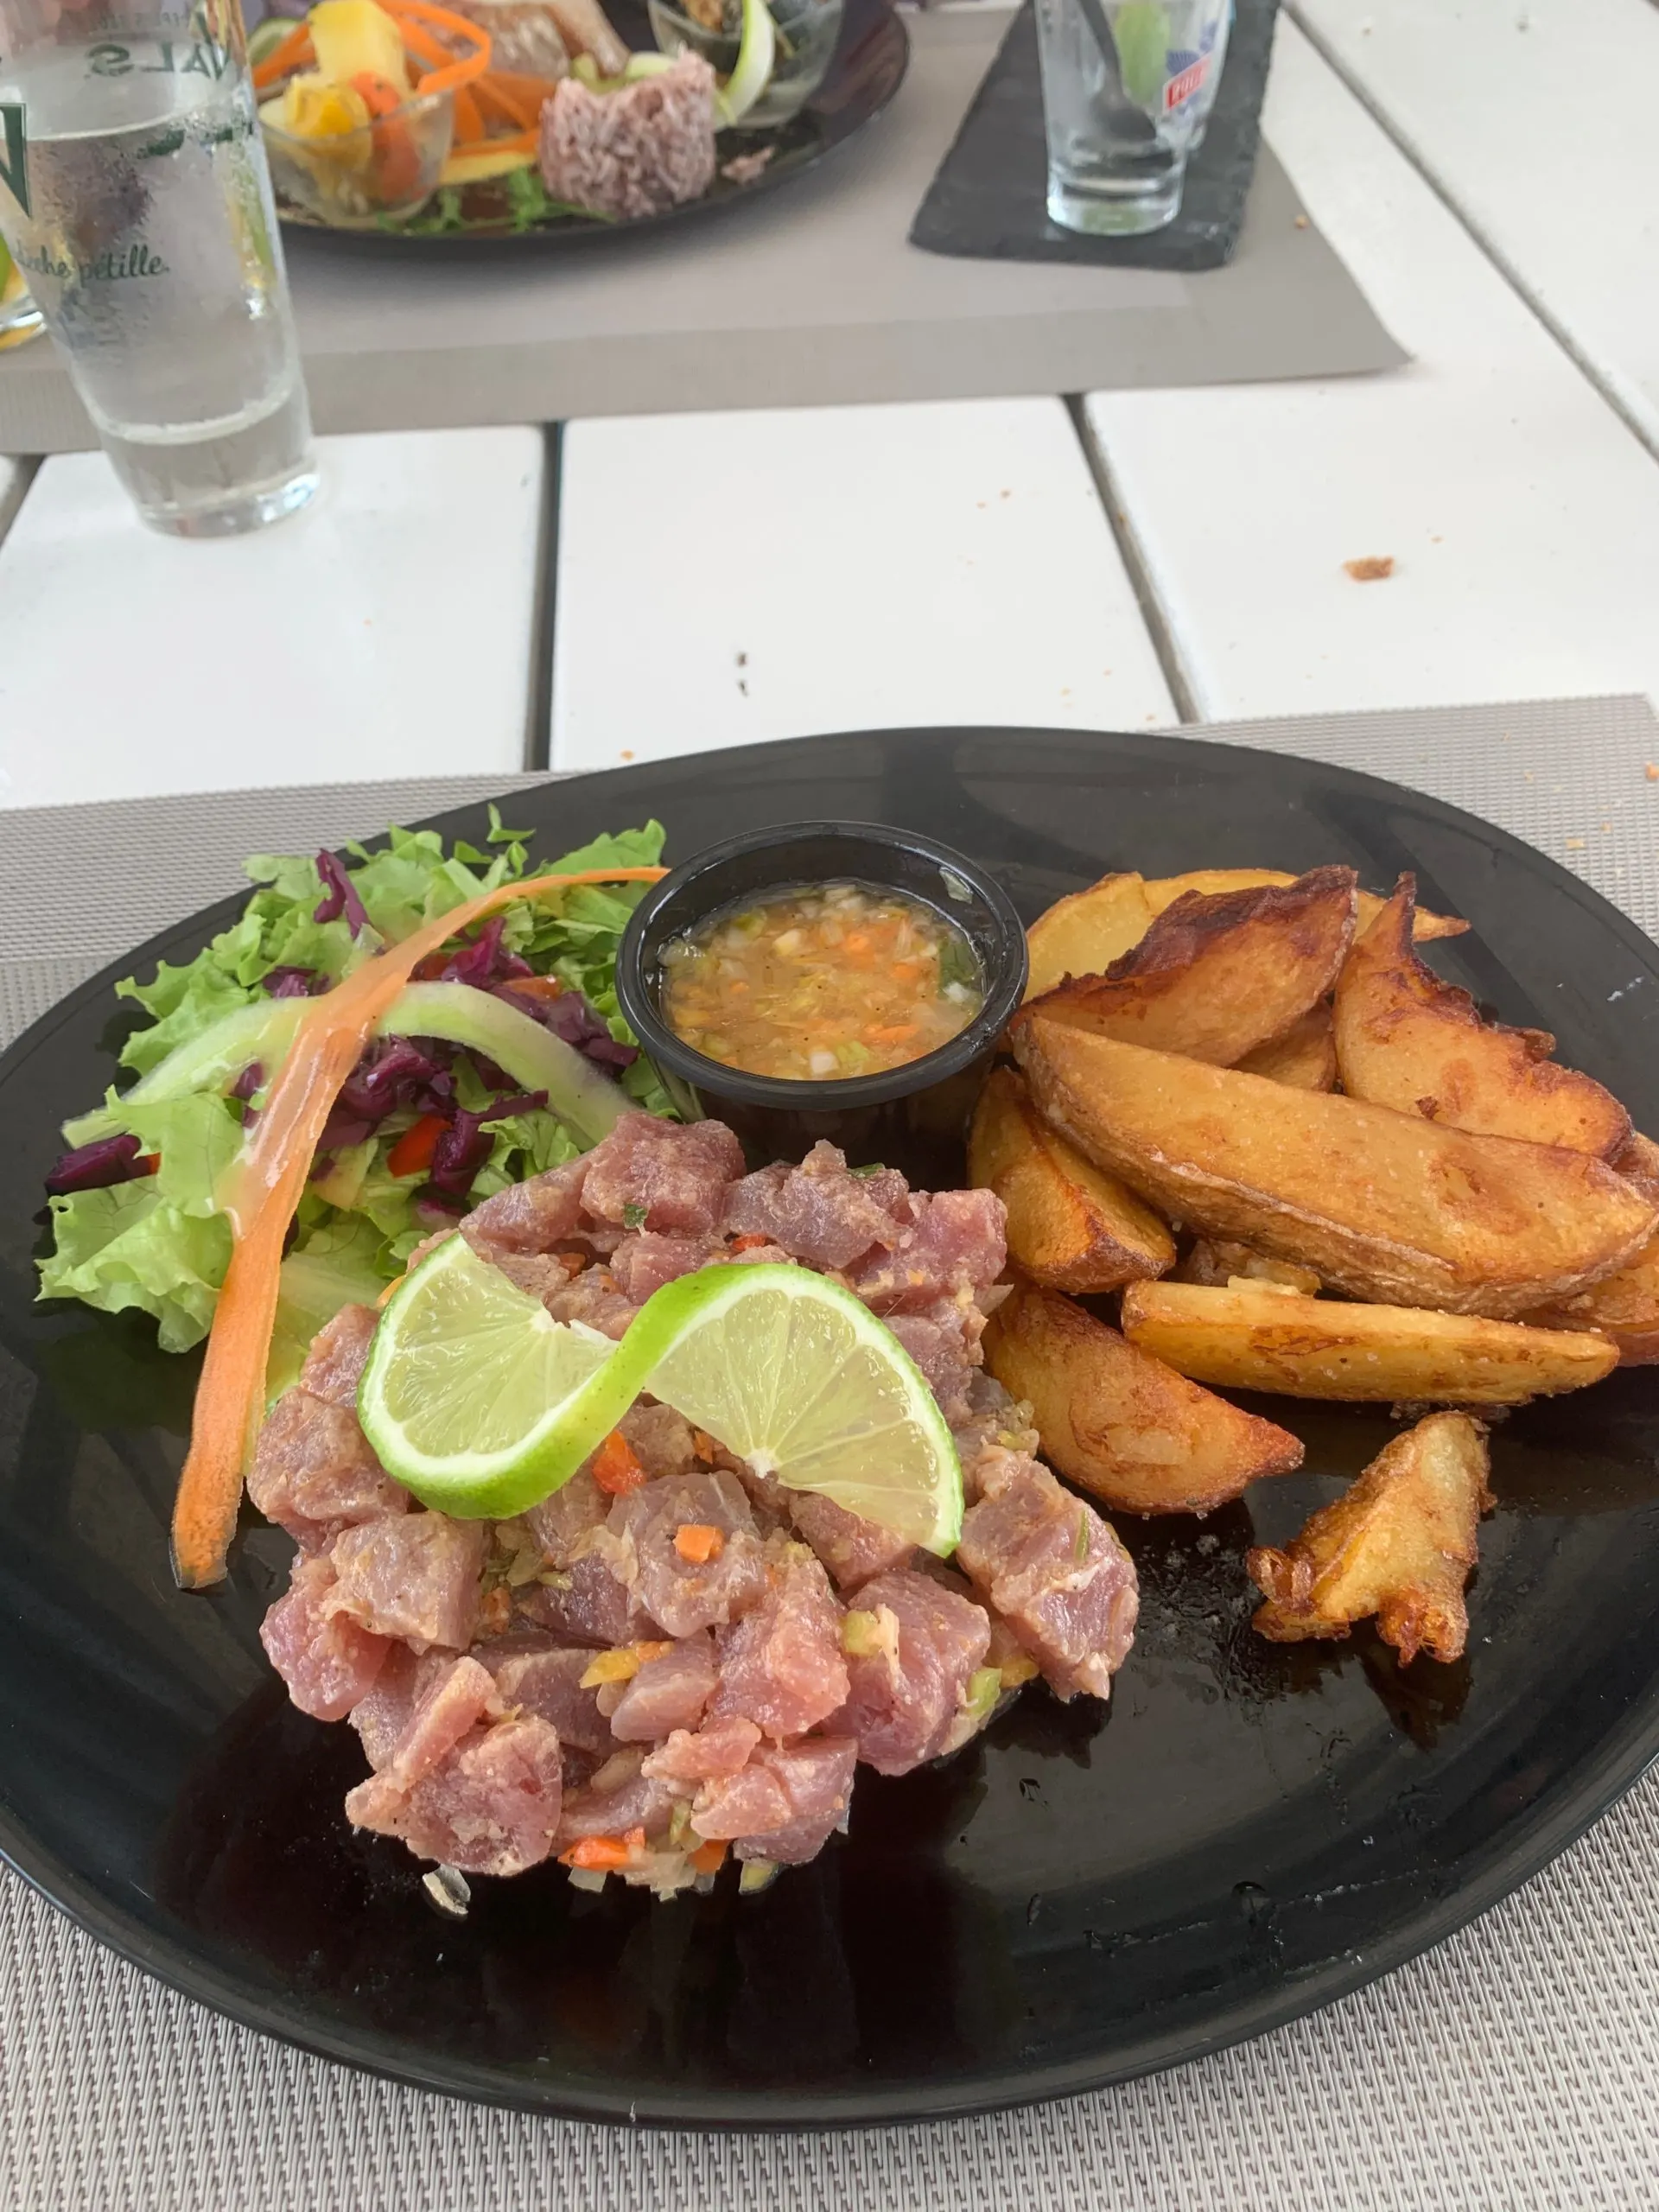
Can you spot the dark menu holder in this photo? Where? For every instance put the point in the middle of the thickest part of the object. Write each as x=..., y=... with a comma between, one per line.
x=988, y=200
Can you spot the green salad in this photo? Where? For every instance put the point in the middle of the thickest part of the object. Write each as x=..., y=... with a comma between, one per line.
x=501, y=1059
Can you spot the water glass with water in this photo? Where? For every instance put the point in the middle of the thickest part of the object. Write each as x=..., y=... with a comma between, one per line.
x=1127, y=87
x=135, y=200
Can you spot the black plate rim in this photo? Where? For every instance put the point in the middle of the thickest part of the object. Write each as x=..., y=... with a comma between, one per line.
x=1531, y=1843
x=565, y=232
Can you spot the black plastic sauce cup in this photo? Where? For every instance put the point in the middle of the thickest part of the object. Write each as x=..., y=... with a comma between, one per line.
x=911, y=1118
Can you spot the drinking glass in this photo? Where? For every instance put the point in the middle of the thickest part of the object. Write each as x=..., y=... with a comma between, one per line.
x=1127, y=86
x=135, y=199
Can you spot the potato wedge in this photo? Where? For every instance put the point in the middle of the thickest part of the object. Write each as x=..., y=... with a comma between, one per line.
x=1215, y=977
x=1399, y=1543
x=1256, y=1335
x=1384, y=1205
x=1119, y=1422
x=1623, y=1307
x=1162, y=891
x=1407, y=1038
x=1217, y=1261
x=1070, y=1225
x=1639, y=1163
x=1084, y=934
x=1305, y=1057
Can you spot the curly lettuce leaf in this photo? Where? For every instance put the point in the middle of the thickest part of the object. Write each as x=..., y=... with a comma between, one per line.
x=338, y=1264
x=126, y=1246
x=524, y=1145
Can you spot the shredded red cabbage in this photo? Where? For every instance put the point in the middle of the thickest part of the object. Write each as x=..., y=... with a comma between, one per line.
x=482, y=963
x=340, y=898
x=397, y=1071
x=570, y=1017
x=252, y=1078
x=295, y=982
x=465, y=1146
x=95, y=1167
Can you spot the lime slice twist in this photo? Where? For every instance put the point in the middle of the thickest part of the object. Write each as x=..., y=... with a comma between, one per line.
x=482, y=1405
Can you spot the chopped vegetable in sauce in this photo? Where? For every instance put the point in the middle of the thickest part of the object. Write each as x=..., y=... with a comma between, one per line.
x=840, y=979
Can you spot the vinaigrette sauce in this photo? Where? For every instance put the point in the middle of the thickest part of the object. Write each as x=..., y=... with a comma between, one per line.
x=836, y=980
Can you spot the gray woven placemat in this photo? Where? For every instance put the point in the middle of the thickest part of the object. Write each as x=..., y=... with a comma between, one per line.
x=1514, y=2068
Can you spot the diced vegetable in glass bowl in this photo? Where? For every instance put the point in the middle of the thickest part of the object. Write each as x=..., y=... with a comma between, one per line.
x=361, y=105
x=350, y=171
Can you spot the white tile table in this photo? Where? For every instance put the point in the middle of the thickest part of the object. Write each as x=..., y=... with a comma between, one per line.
x=1521, y=514
x=724, y=578
x=1538, y=119
x=386, y=630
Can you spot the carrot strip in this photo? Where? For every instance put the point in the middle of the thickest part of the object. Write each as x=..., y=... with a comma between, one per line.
x=698, y=1542
x=537, y=91
x=495, y=93
x=469, y=122
x=709, y=1858
x=261, y=1202
x=604, y=1853
x=294, y=50
x=418, y=19
x=421, y=43
x=607, y=1853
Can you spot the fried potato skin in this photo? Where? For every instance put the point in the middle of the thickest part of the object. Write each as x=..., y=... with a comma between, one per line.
x=1070, y=1225
x=1383, y=1206
x=1406, y=1038
x=1255, y=1337
x=1121, y=1424
x=1084, y=934
x=1305, y=1057
x=1162, y=891
x=1399, y=1543
x=1623, y=1307
x=1639, y=1163
x=1215, y=977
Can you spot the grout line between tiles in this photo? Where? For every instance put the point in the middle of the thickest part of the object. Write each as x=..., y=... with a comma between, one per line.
x=538, y=732
x=1117, y=521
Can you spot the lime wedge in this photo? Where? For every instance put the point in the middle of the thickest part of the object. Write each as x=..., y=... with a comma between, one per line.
x=800, y=1379
x=475, y=1399
x=1142, y=33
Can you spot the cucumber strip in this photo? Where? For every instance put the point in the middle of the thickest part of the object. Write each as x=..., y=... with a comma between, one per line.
x=579, y=1093
x=261, y=1033
x=755, y=57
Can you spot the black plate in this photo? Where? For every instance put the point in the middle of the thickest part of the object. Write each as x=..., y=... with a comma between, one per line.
x=1086, y=1894
x=871, y=57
